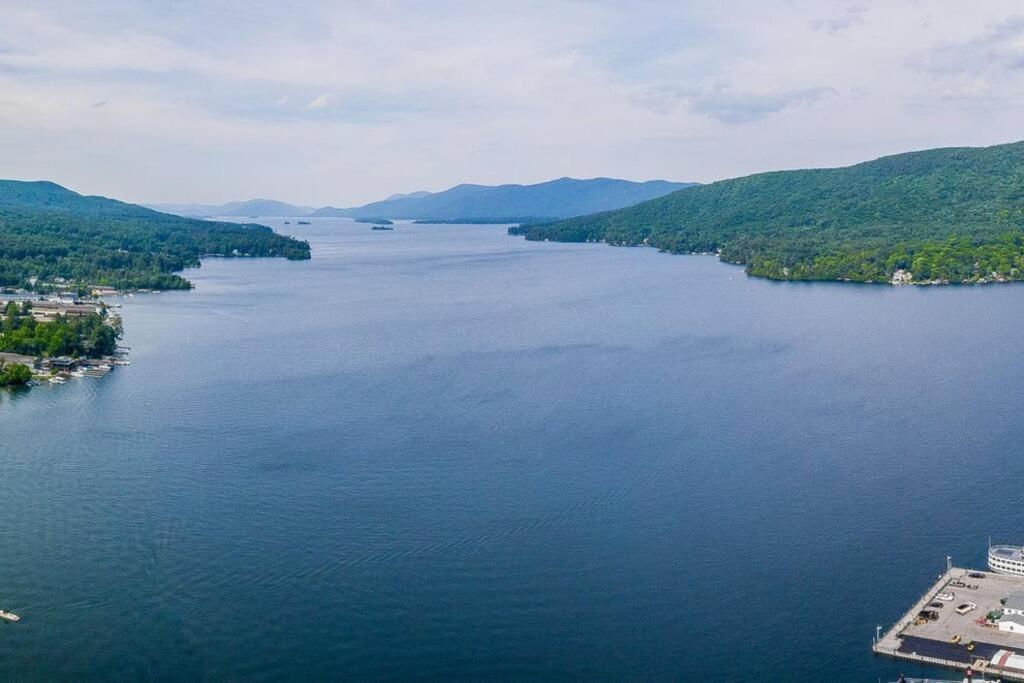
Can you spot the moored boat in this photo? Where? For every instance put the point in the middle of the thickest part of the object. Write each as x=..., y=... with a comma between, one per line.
x=1006, y=559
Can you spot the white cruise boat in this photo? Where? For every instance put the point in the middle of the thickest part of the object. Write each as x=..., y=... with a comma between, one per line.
x=1006, y=559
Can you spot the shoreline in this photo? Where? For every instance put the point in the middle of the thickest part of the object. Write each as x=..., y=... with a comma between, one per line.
x=28, y=311
x=58, y=370
x=898, y=278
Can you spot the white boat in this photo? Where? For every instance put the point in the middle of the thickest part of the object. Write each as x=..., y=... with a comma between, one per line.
x=1006, y=559
x=9, y=616
x=57, y=380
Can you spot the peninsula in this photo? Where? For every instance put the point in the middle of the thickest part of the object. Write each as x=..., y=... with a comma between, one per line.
x=53, y=238
x=953, y=215
x=60, y=251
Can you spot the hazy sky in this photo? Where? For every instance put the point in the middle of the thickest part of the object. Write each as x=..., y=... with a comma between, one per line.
x=345, y=102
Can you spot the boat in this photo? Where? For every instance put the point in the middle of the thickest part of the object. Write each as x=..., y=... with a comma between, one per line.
x=1006, y=559
x=9, y=616
x=57, y=380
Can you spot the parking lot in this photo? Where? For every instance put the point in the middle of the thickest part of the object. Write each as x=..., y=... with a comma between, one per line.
x=987, y=595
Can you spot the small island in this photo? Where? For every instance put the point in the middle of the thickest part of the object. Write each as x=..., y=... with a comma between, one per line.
x=375, y=221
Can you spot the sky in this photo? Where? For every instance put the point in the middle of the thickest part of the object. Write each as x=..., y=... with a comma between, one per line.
x=342, y=103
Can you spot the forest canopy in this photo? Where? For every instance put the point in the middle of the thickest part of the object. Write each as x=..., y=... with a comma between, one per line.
x=48, y=232
x=953, y=215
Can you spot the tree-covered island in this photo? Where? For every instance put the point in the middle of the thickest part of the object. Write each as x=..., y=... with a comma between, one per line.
x=937, y=216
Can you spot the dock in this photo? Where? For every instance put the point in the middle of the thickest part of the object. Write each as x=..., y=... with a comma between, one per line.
x=943, y=641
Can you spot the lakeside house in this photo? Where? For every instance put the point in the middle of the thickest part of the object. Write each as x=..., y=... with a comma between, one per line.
x=902, y=277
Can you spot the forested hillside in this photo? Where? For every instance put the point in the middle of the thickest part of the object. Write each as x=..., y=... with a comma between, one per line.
x=953, y=214
x=48, y=231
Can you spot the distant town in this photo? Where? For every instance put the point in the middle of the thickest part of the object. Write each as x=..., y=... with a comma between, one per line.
x=58, y=336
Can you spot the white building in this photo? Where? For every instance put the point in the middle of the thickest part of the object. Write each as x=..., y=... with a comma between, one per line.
x=1014, y=603
x=1013, y=613
x=1014, y=623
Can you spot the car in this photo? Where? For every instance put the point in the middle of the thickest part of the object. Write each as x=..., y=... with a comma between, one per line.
x=976, y=575
x=937, y=605
x=946, y=597
x=965, y=608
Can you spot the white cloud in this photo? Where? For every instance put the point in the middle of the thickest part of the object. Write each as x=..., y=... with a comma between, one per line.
x=850, y=16
x=285, y=103
x=728, y=105
x=318, y=102
x=998, y=49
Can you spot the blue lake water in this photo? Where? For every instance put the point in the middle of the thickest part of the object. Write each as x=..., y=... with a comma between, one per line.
x=443, y=452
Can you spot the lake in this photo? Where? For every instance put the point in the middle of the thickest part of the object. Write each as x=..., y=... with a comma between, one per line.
x=444, y=452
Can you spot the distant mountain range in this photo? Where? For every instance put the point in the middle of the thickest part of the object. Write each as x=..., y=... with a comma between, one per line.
x=562, y=198
x=252, y=208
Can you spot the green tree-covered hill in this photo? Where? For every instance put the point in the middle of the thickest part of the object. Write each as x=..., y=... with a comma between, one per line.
x=48, y=231
x=954, y=214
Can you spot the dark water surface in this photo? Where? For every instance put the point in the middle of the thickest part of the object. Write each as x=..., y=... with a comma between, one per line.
x=442, y=452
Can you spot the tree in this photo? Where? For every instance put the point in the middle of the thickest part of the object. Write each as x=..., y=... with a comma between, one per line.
x=14, y=374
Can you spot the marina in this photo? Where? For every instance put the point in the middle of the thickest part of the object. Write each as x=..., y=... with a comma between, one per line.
x=968, y=620
x=33, y=309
